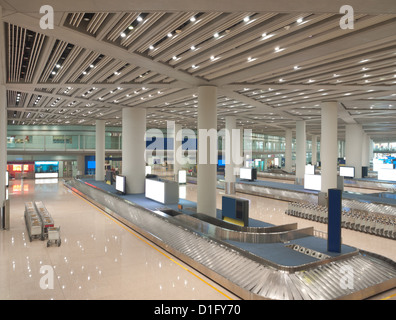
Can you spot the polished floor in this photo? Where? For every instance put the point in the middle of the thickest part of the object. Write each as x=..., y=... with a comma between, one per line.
x=99, y=258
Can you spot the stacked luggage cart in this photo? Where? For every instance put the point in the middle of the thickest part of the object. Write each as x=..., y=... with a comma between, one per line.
x=381, y=224
x=40, y=224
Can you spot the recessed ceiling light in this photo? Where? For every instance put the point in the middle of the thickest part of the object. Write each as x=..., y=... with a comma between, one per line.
x=151, y=47
x=192, y=48
x=297, y=67
x=216, y=35
x=169, y=34
x=299, y=20
x=123, y=35
x=139, y=19
x=246, y=19
x=174, y=57
x=193, y=19
x=364, y=60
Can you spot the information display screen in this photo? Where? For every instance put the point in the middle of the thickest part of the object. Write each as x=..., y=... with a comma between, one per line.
x=120, y=184
x=313, y=182
x=46, y=169
x=309, y=169
x=347, y=172
x=245, y=173
x=182, y=176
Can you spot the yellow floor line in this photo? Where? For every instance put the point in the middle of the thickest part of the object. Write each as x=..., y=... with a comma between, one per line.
x=152, y=246
x=391, y=296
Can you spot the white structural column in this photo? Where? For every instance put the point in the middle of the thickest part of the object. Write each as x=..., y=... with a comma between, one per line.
x=329, y=146
x=3, y=143
x=3, y=116
x=177, y=148
x=230, y=149
x=288, y=150
x=371, y=150
x=207, y=161
x=301, y=156
x=241, y=146
x=314, y=158
x=353, y=147
x=100, y=150
x=366, y=150
x=134, y=149
x=80, y=165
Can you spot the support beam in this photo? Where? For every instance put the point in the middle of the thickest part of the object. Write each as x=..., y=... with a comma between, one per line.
x=207, y=170
x=353, y=148
x=329, y=146
x=100, y=150
x=301, y=153
x=134, y=149
x=288, y=150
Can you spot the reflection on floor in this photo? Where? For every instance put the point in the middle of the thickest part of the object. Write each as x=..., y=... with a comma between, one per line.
x=101, y=259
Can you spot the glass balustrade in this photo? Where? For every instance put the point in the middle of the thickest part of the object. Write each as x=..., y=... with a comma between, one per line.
x=60, y=142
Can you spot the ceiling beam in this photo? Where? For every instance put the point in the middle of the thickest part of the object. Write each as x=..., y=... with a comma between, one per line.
x=383, y=32
x=315, y=6
x=107, y=49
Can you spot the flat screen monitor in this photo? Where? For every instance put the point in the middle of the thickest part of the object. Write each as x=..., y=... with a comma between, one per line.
x=245, y=173
x=347, y=172
x=309, y=169
x=182, y=177
x=312, y=182
x=121, y=184
x=91, y=164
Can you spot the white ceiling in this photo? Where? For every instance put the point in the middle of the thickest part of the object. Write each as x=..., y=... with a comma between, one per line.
x=93, y=63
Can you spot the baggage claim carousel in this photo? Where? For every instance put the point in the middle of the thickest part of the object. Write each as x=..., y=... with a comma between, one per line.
x=262, y=262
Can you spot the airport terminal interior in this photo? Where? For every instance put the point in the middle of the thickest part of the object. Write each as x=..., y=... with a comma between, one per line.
x=197, y=150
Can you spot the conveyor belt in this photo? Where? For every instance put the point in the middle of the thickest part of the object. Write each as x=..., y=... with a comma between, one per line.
x=246, y=275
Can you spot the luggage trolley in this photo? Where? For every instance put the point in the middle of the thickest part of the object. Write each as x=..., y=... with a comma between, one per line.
x=46, y=218
x=54, y=236
x=33, y=222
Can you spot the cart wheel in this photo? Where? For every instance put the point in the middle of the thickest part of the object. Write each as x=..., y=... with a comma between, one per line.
x=48, y=244
x=59, y=243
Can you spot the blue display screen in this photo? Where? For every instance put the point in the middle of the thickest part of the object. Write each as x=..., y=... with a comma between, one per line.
x=46, y=166
x=91, y=164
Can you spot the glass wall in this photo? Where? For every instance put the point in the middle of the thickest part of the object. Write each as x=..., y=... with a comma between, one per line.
x=81, y=138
